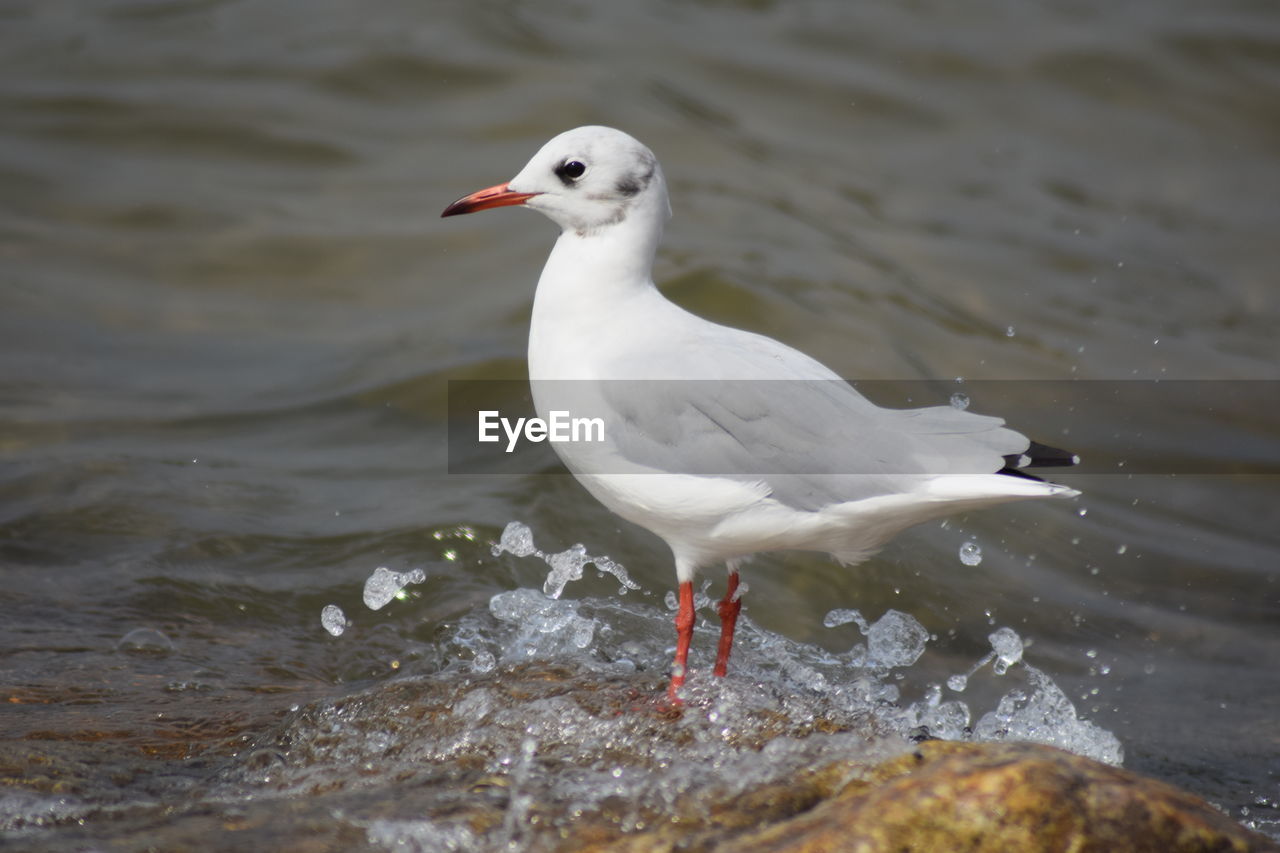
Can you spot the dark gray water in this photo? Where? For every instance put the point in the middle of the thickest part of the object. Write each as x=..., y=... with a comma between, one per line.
x=229, y=311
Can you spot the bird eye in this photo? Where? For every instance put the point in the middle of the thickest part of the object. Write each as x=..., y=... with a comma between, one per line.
x=571, y=169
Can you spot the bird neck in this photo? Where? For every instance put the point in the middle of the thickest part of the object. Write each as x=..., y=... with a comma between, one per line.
x=589, y=284
x=594, y=274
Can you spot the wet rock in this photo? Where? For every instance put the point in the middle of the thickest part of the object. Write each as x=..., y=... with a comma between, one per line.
x=989, y=798
x=538, y=757
x=527, y=756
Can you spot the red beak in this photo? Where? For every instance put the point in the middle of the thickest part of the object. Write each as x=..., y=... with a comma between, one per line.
x=499, y=196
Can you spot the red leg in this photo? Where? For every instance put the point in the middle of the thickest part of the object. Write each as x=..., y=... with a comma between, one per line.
x=729, y=608
x=684, y=637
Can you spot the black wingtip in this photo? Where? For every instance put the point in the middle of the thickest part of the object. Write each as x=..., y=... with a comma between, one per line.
x=1037, y=456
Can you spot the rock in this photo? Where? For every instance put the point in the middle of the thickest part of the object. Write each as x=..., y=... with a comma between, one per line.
x=991, y=798
x=544, y=758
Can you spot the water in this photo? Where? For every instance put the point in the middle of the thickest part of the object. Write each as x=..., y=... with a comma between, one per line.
x=895, y=639
x=566, y=566
x=333, y=619
x=971, y=553
x=1008, y=648
x=229, y=310
x=384, y=585
x=568, y=734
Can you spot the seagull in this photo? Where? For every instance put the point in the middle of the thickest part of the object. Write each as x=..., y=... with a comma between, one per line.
x=723, y=442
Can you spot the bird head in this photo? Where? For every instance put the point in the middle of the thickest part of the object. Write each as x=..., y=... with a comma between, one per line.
x=585, y=180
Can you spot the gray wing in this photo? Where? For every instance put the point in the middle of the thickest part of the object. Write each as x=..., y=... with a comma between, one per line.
x=814, y=442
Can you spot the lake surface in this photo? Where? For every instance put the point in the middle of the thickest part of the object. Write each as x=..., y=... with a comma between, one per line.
x=229, y=313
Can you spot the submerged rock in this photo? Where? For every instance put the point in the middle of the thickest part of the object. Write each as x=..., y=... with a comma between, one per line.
x=545, y=758
x=538, y=757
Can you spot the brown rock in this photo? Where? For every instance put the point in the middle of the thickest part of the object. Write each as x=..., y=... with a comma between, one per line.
x=991, y=798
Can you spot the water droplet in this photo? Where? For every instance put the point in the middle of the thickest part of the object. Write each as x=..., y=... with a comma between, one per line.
x=1121, y=549
x=971, y=553
x=896, y=639
x=958, y=683
x=1009, y=332
x=384, y=585
x=1007, y=646
x=836, y=618
x=333, y=619
x=1083, y=511
x=959, y=401
x=516, y=539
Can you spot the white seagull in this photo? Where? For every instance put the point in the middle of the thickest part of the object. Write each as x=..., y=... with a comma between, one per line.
x=698, y=449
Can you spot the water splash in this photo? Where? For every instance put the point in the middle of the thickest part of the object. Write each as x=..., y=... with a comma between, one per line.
x=516, y=539
x=566, y=566
x=896, y=639
x=1007, y=647
x=333, y=619
x=617, y=650
x=796, y=682
x=384, y=585
x=521, y=799
x=546, y=627
x=1038, y=711
x=836, y=618
x=1044, y=714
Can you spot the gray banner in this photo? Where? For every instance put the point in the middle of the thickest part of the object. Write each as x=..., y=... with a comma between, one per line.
x=1114, y=427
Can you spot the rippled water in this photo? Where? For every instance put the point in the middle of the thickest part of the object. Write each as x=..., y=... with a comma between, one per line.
x=229, y=310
